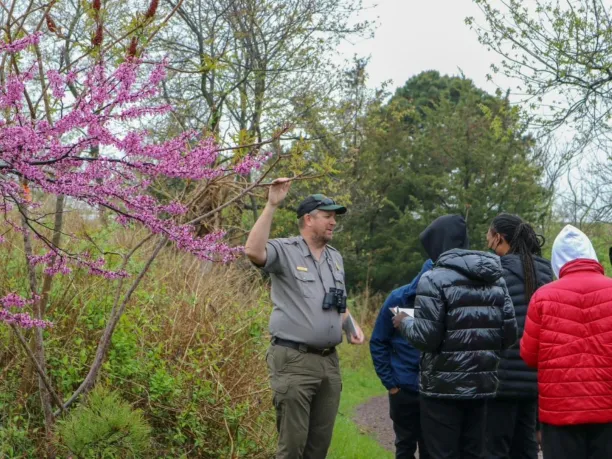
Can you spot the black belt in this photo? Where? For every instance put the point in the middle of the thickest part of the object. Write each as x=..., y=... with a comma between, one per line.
x=303, y=347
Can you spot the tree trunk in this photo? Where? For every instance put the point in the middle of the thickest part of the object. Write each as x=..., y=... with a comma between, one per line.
x=116, y=313
x=39, y=345
x=56, y=239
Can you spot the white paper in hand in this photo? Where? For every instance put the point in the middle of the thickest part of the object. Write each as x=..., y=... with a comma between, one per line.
x=409, y=311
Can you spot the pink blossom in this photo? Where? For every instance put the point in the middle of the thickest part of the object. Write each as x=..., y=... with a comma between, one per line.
x=159, y=73
x=56, y=83
x=21, y=44
x=12, y=93
x=38, y=259
x=12, y=300
x=250, y=163
x=71, y=77
x=123, y=220
x=175, y=208
x=22, y=319
x=54, y=158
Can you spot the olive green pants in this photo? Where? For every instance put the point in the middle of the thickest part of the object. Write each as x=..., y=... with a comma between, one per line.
x=306, y=396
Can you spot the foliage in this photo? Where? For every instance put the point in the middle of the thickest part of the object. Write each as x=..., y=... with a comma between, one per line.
x=188, y=352
x=100, y=152
x=558, y=54
x=558, y=51
x=439, y=146
x=91, y=128
x=242, y=68
x=105, y=426
x=74, y=129
x=333, y=133
x=51, y=155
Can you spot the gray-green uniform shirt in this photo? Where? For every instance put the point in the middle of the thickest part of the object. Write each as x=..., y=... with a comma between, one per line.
x=299, y=283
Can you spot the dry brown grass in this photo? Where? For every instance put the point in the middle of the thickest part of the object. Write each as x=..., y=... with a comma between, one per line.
x=189, y=350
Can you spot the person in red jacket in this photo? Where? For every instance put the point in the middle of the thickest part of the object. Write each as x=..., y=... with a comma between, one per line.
x=568, y=337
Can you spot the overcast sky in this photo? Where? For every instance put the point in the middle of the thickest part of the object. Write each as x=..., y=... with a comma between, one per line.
x=418, y=35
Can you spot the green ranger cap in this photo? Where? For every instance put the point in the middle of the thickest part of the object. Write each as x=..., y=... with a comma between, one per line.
x=319, y=202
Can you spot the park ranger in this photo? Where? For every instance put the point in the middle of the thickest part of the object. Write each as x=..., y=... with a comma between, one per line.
x=309, y=314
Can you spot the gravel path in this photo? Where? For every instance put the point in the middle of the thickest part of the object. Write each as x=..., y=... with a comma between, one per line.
x=373, y=416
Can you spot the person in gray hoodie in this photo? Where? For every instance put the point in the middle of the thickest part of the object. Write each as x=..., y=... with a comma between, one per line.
x=463, y=319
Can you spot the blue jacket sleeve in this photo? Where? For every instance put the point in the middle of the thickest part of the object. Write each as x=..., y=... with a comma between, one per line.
x=380, y=341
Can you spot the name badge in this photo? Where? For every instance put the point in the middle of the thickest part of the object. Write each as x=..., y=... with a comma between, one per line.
x=302, y=268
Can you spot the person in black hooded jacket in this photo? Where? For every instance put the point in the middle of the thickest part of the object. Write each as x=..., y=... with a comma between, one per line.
x=463, y=319
x=512, y=424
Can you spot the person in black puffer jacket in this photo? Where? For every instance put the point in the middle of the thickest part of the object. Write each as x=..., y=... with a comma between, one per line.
x=512, y=425
x=463, y=319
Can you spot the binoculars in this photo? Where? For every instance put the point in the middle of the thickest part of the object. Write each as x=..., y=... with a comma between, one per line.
x=335, y=299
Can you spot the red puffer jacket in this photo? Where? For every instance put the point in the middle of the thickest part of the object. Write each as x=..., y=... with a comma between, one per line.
x=568, y=337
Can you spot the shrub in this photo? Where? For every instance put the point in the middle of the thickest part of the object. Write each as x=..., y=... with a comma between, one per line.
x=104, y=427
x=189, y=352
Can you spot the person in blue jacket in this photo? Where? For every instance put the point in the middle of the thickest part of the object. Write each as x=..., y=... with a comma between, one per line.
x=396, y=363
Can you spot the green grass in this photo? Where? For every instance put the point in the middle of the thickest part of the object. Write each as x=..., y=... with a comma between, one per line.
x=360, y=383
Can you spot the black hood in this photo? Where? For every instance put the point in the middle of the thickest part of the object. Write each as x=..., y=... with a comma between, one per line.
x=481, y=266
x=443, y=234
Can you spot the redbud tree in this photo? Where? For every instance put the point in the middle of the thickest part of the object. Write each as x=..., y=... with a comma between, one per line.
x=53, y=157
x=75, y=133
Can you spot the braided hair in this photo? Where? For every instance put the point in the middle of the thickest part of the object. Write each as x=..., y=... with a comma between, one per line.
x=523, y=241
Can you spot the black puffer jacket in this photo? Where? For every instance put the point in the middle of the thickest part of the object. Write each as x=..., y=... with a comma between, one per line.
x=516, y=379
x=463, y=319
